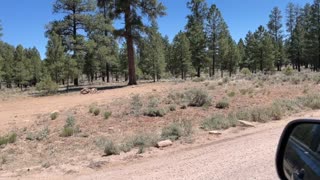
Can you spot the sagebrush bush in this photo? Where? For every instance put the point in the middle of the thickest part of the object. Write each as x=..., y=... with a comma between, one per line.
x=54, y=115
x=288, y=71
x=69, y=128
x=219, y=122
x=8, y=139
x=136, y=105
x=231, y=94
x=246, y=72
x=222, y=104
x=110, y=148
x=172, y=107
x=107, y=115
x=96, y=111
x=142, y=141
x=155, y=112
x=198, y=97
x=199, y=79
x=172, y=132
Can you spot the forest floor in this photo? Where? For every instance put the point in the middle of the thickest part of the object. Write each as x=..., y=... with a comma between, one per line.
x=40, y=148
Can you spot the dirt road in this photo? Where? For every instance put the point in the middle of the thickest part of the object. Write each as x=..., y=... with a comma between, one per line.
x=250, y=156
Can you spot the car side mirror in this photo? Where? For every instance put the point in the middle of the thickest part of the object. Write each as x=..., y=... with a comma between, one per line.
x=298, y=154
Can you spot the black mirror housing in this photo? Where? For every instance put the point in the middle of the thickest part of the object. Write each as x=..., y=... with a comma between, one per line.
x=283, y=142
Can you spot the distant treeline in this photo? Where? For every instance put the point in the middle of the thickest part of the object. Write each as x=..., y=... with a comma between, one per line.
x=85, y=42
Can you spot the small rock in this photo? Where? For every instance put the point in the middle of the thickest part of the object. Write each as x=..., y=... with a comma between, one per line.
x=215, y=132
x=110, y=128
x=246, y=123
x=165, y=143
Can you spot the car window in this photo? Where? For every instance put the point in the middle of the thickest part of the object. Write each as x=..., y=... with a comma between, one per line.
x=303, y=134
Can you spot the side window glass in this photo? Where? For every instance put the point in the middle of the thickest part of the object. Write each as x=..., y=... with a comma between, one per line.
x=303, y=133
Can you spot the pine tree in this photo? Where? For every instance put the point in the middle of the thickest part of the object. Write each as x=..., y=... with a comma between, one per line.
x=181, y=56
x=1, y=30
x=34, y=68
x=314, y=34
x=21, y=74
x=7, y=52
x=196, y=34
x=56, y=58
x=133, y=12
x=213, y=27
x=242, y=54
x=75, y=19
x=275, y=30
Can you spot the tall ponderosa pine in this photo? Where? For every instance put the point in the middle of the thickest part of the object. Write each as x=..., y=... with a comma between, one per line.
x=181, y=56
x=133, y=12
x=214, y=21
x=1, y=29
x=105, y=7
x=314, y=34
x=275, y=29
x=196, y=34
x=152, y=56
x=75, y=19
x=56, y=58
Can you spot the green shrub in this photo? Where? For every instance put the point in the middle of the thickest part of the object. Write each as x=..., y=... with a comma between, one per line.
x=155, y=112
x=199, y=79
x=110, y=148
x=107, y=115
x=260, y=114
x=172, y=132
x=8, y=139
x=142, y=141
x=246, y=72
x=67, y=132
x=222, y=104
x=276, y=111
x=47, y=86
x=91, y=109
x=218, y=122
x=295, y=80
x=70, y=122
x=172, y=108
x=231, y=94
x=153, y=102
x=54, y=115
x=136, y=105
x=176, y=97
x=288, y=71
x=198, y=97
x=96, y=112
x=43, y=134
x=225, y=80
x=69, y=128
x=243, y=114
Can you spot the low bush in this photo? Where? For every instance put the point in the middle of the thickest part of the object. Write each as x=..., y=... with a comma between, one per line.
x=155, y=112
x=69, y=128
x=8, y=139
x=110, y=148
x=219, y=122
x=246, y=72
x=136, y=105
x=142, y=141
x=172, y=107
x=172, y=132
x=96, y=111
x=198, y=97
x=222, y=104
x=199, y=79
x=231, y=94
x=288, y=71
x=54, y=115
x=107, y=115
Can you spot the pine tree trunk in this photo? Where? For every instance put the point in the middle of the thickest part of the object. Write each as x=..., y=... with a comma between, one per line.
x=130, y=48
x=199, y=71
x=213, y=64
x=108, y=72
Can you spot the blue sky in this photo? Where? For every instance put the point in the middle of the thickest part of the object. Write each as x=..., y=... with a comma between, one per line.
x=24, y=21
